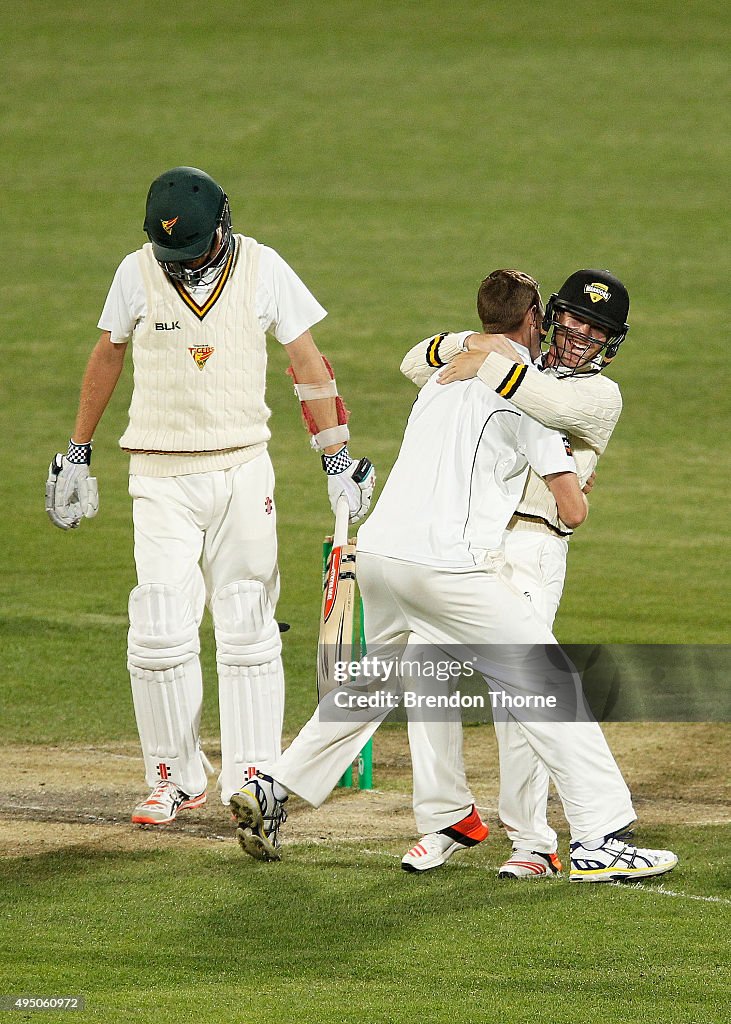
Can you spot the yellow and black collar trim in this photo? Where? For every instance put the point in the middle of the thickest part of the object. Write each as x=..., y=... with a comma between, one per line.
x=510, y=384
x=200, y=311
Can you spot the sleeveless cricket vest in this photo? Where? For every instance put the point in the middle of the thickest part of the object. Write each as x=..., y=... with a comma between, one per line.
x=537, y=509
x=199, y=372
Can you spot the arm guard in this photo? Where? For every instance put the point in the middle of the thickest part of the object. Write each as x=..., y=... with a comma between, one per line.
x=309, y=392
x=587, y=408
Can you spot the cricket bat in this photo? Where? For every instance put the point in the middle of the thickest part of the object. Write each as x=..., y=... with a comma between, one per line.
x=338, y=605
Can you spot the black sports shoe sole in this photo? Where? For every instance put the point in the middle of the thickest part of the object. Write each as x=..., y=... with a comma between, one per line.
x=257, y=846
x=255, y=843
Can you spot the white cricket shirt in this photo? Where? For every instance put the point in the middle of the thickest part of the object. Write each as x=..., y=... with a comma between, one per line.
x=459, y=476
x=188, y=440
x=587, y=406
x=284, y=305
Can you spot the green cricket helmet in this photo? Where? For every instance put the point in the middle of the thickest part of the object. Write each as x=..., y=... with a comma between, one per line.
x=595, y=297
x=184, y=211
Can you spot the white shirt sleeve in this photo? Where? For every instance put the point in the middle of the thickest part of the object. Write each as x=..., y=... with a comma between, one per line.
x=125, y=304
x=284, y=305
x=585, y=459
x=424, y=359
x=547, y=451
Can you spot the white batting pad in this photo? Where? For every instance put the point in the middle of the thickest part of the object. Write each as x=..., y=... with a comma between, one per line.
x=250, y=682
x=167, y=689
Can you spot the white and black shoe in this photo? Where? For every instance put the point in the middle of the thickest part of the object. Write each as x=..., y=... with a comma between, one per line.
x=163, y=804
x=530, y=864
x=259, y=815
x=614, y=860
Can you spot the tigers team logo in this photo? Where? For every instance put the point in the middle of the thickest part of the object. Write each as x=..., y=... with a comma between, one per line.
x=201, y=354
x=597, y=292
x=168, y=225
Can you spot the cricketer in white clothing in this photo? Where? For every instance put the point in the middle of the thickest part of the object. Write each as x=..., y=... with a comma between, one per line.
x=536, y=548
x=196, y=303
x=587, y=320
x=429, y=568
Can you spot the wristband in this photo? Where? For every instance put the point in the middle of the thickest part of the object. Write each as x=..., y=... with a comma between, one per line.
x=79, y=454
x=337, y=463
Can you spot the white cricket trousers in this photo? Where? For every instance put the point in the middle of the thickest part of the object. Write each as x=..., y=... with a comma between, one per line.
x=408, y=602
x=536, y=566
x=202, y=531
x=212, y=536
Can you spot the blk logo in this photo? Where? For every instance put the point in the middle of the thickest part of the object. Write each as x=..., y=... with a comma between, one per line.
x=174, y=326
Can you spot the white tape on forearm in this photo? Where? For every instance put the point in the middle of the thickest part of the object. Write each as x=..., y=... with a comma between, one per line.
x=332, y=435
x=311, y=392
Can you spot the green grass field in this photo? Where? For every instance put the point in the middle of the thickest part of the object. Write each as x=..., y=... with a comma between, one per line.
x=393, y=153
x=183, y=936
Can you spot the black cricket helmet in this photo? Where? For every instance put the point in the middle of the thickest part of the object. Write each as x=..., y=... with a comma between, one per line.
x=185, y=208
x=598, y=298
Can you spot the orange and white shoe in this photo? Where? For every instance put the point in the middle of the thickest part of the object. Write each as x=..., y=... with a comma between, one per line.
x=530, y=864
x=163, y=804
x=436, y=848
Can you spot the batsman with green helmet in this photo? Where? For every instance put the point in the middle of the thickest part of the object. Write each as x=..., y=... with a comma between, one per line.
x=196, y=303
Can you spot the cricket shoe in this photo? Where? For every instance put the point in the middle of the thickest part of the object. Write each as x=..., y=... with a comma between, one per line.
x=616, y=861
x=530, y=864
x=436, y=848
x=163, y=804
x=259, y=815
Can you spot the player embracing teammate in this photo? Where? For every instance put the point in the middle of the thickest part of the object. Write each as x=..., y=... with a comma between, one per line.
x=431, y=568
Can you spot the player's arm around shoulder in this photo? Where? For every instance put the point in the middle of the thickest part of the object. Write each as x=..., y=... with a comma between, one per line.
x=423, y=360
x=587, y=407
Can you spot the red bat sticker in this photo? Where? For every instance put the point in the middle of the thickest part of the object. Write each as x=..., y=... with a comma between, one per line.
x=331, y=590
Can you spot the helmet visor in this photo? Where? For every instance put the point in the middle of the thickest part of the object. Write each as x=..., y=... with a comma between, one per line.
x=207, y=267
x=183, y=254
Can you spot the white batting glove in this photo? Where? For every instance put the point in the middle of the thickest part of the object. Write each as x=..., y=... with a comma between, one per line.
x=356, y=480
x=71, y=494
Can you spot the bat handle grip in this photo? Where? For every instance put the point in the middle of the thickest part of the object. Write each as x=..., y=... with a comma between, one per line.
x=342, y=518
